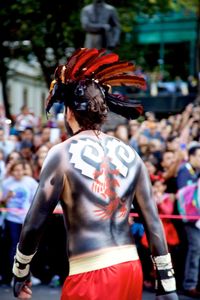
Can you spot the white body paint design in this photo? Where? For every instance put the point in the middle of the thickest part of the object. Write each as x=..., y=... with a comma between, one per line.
x=86, y=153
x=83, y=150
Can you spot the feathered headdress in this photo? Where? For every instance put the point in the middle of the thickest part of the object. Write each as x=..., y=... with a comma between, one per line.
x=105, y=70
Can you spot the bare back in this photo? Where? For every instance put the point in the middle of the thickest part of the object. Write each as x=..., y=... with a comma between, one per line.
x=101, y=174
x=95, y=178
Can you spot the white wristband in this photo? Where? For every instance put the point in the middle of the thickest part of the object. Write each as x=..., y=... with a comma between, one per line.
x=20, y=258
x=20, y=272
x=23, y=259
x=163, y=263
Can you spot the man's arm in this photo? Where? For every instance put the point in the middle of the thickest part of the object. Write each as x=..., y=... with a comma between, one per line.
x=165, y=281
x=115, y=28
x=45, y=200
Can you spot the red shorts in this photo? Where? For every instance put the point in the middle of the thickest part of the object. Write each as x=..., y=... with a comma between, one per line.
x=118, y=282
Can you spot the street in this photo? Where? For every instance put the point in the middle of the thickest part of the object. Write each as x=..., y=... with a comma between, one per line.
x=44, y=292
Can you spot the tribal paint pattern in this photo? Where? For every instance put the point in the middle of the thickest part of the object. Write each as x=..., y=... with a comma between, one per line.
x=105, y=165
x=105, y=184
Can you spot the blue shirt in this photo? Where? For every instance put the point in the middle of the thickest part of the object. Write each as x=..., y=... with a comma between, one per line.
x=186, y=175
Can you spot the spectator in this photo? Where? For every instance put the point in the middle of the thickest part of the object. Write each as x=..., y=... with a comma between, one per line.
x=6, y=145
x=156, y=149
x=12, y=157
x=28, y=169
x=2, y=165
x=195, y=131
x=1, y=238
x=192, y=84
x=43, y=137
x=152, y=170
x=28, y=135
x=170, y=163
x=25, y=119
x=4, y=122
x=27, y=150
x=39, y=159
x=18, y=191
x=121, y=132
x=188, y=173
x=134, y=133
x=143, y=146
x=152, y=132
x=165, y=204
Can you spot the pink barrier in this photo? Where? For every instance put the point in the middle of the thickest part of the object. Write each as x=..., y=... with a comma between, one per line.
x=59, y=211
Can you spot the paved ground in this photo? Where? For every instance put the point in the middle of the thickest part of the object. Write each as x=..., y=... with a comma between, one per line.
x=44, y=292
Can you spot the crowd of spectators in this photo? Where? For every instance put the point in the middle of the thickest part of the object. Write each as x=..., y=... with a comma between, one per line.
x=170, y=149
x=160, y=83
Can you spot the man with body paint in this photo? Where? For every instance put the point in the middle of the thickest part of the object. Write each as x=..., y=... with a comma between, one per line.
x=96, y=178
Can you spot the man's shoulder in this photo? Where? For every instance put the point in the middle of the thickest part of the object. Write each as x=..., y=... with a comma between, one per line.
x=109, y=7
x=184, y=168
x=30, y=180
x=88, y=7
x=5, y=182
x=106, y=6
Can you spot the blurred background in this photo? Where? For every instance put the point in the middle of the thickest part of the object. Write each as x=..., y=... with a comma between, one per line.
x=162, y=38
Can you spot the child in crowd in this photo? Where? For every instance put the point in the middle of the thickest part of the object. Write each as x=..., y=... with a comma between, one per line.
x=165, y=204
x=17, y=194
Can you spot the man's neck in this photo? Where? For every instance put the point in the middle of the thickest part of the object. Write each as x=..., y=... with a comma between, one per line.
x=78, y=131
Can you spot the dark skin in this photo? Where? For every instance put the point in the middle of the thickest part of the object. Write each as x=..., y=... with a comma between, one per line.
x=61, y=180
x=96, y=176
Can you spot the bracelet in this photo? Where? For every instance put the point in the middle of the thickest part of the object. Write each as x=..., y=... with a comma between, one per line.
x=23, y=259
x=165, y=273
x=21, y=266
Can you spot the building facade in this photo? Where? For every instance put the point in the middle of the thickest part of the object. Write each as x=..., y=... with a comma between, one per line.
x=25, y=86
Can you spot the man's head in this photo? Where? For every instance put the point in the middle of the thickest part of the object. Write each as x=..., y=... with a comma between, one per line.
x=88, y=107
x=168, y=159
x=98, y=1
x=194, y=156
x=25, y=110
x=121, y=132
x=84, y=83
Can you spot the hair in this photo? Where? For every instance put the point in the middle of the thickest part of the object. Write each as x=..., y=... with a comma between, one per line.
x=29, y=128
x=192, y=150
x=96, y=113
x=10, y=155
x=15, y=164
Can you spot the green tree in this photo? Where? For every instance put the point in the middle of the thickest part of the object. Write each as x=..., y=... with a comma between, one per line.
x=52, y=27
x=46, y=25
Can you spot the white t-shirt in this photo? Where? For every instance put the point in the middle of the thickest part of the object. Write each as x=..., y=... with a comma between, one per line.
x=23, y=121
x=24, y=191
x=2, y=169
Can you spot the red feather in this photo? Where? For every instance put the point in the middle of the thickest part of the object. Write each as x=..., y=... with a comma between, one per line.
x=91, y=62
x=101, y=61
x=116, y=68
x=128, y=80
x=83, y=59
x=72, y=62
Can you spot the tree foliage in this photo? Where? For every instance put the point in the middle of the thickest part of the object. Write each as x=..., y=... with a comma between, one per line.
x=55, y=26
